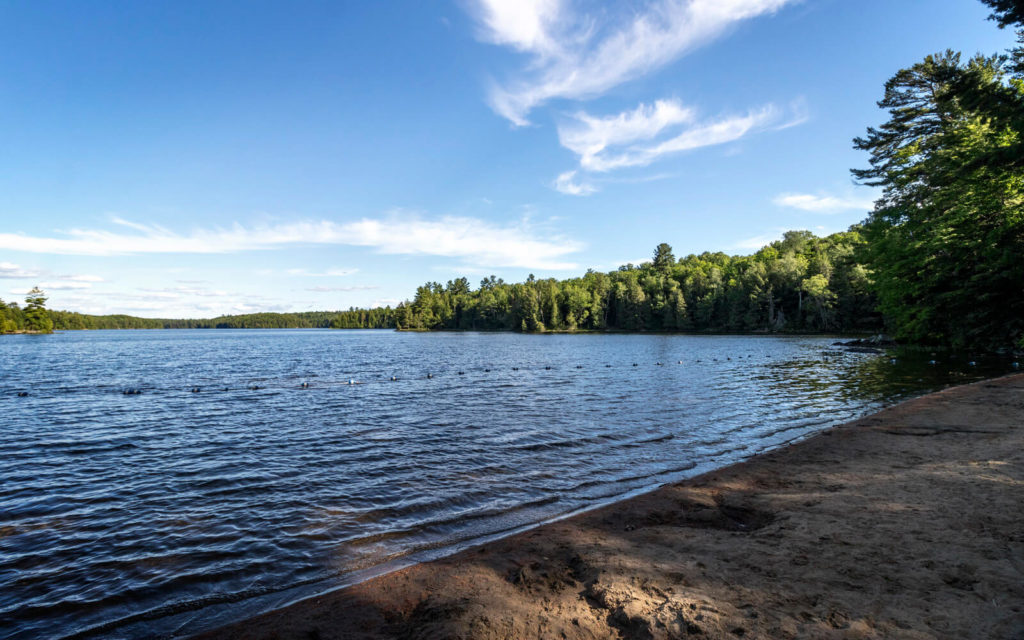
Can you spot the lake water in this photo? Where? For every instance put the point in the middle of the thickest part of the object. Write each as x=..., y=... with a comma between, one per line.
x=168, y=511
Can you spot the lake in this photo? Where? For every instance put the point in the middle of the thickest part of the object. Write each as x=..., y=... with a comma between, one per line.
x=256, y=467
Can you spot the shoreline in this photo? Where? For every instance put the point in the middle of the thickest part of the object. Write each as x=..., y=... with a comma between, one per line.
x=907, y=523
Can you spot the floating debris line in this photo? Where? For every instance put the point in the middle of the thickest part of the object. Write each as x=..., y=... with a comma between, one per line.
x=828, y=358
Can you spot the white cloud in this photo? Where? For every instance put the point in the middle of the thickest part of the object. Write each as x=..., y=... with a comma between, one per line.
x=564, y=183
x=330, y=273
x=178, y=292
x=83, y=278
x=9, y=270
x=153, y=294
x=654, y=177
x=591, y=137
x=823, y=203
x=352, y=288
x=522, y=24
x=168, y=302
x=385, y=302
x=64, y=284
x=13, y=271
x=472, y=240
x=581, y=56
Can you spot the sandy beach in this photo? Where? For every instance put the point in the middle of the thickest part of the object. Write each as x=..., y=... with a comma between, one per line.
x=908, y=523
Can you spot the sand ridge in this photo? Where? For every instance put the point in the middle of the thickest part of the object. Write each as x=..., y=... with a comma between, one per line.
x=908, y=523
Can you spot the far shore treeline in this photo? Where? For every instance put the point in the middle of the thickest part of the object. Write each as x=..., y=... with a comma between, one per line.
x=938, y=262
x=801, y=283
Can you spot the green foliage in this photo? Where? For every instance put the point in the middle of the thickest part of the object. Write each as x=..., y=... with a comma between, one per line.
x=1006, y=12
x=800, y=283
x=351, y=319
x=37, y=318
x=663, y=258
x=946, y=240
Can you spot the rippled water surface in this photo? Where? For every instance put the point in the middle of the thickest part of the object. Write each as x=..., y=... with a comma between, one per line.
x=168, y=511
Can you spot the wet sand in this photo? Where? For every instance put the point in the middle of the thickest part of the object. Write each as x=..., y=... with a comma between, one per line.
x=908, y=523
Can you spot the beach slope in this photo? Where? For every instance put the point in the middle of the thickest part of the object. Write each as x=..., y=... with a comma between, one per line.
x=908, y=523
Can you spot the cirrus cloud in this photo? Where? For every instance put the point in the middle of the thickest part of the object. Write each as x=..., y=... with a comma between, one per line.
x=472, y=240
x=566, y=184
x=578, y=56
x=593, y=138
x=368, y=287
x=822, y=203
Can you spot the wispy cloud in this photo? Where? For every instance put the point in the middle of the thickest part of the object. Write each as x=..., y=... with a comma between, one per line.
x=168, y=302
x=9, y=270
x=13, y=271
x=329, y=273
x=574, y=55
x=64, y=284
x=627, y=139
x=472, y=240
x=589, y=136
x=565, y=183
x=823, y=203
x=654, y=177
x=53, y=286
x=178, y=292
x=368, y=287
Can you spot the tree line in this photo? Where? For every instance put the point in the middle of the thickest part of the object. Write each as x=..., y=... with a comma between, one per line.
x=35, y=318
x=801, y=283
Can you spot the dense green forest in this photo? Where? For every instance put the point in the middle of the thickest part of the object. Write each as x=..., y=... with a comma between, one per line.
x=799, y=283
x=940, y=260
x=13, y=319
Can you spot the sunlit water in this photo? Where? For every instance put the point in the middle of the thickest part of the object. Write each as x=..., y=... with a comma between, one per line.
x=169, y=511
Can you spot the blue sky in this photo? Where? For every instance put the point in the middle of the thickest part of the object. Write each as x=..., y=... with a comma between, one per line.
x=187, y=159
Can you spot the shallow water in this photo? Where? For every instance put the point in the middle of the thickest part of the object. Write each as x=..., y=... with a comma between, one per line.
x=168, y=511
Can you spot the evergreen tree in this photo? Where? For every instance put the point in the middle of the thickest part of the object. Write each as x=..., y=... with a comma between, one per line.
x=946, y=240
x=1006, y=12
x=663, y=258
x=37, y=318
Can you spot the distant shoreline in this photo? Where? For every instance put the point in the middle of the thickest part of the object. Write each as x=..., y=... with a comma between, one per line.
x=845, y=334
x=881, y=527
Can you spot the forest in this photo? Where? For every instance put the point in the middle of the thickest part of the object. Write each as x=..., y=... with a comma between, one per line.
x=16, y=319
x=801, y=283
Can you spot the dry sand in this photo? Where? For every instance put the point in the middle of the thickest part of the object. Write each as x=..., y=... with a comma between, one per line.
x=905, y=524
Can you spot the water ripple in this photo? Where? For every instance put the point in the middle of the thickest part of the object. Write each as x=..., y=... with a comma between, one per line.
x=134, y=515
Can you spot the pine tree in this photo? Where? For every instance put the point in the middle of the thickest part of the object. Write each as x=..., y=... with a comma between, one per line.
x=37, y=318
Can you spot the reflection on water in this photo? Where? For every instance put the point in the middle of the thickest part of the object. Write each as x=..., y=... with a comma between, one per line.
x=258, y=466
